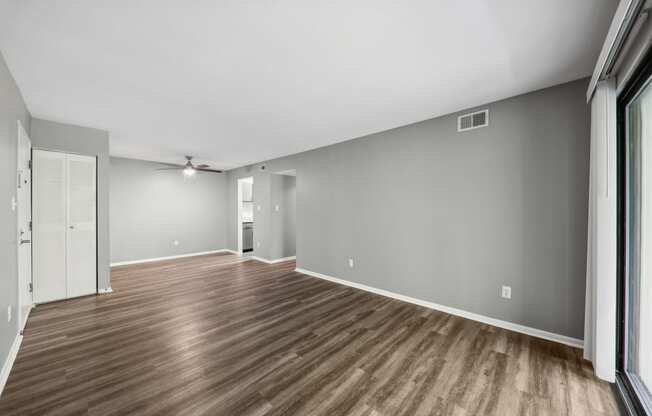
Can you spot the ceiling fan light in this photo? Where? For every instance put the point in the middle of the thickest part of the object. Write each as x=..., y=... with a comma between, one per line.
x=189, y=171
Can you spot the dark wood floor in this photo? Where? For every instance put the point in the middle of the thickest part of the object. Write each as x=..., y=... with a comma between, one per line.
x=214, y=335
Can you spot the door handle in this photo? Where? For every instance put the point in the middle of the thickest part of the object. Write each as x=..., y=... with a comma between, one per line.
x=25, y=241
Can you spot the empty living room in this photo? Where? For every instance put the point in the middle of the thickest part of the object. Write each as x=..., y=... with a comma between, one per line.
x=289, y=208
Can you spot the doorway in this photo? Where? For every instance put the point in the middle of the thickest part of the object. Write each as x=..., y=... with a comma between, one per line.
x=282, y=240
x=24, y=213
x=245, y=220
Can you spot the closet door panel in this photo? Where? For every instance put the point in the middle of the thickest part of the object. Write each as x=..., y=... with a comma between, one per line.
x=49, y=226
x=81, y=219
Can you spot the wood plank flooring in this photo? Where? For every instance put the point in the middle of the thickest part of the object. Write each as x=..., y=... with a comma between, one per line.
x=215, y=335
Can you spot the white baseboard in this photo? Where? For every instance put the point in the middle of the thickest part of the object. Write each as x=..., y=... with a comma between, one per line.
x=258, y=259
x=104, y=291
x=179, y=256
x=284, y=259
x=9, y=362
x=273, y=261
x=550, y=336
x=22, y=324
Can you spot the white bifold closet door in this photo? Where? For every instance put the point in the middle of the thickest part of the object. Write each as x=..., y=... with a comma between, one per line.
x=64, y=222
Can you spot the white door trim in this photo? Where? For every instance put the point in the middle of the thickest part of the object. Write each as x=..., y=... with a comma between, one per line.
x=240, y=181
x=25, y=298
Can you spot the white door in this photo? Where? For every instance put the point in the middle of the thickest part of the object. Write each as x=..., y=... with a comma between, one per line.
x=81, y=242
x=49, y=223
x=64, y=226
x=24, y=195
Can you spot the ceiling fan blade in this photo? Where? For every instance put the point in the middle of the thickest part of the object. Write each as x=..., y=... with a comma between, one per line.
x=174, y=168
x=203, y=166
x=208, y=170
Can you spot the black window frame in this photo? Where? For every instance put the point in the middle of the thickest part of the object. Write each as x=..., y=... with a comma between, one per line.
x=638, y=81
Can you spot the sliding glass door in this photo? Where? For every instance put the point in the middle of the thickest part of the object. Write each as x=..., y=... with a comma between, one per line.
x=635, y=332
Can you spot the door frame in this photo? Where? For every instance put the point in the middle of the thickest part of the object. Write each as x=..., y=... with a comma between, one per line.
x=23, y=284
x=239, y=212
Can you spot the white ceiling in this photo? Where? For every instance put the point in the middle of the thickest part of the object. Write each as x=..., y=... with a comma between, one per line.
x=236, y=82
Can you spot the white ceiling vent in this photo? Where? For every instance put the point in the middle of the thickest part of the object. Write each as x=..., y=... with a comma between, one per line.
x=473, y=120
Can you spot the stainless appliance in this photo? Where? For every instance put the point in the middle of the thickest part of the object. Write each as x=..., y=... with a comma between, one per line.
x=247, y=237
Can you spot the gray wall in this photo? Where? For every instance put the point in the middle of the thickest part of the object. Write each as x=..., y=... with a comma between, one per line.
x=12, y=108
x=61, y=137
x=449, y=217
x=150, y=209
x=282, y=222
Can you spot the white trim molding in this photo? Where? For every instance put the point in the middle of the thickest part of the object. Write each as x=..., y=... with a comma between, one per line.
x=258, y=259
x=104, y=290
x=273, y=261
x=24, y=322
x=550, y=336
x=623, y=20
x=9, y=362
x=179, y=256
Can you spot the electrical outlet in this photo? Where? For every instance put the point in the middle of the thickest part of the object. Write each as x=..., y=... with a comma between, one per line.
x=14, y=203
x=276, y=208
x=175, y=242
x=506, y=292
x=257, y=244
x=9, y=313
x=258, y=207
x=351, y=263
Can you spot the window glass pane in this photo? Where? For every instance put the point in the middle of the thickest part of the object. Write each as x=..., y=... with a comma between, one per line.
x=639, y=244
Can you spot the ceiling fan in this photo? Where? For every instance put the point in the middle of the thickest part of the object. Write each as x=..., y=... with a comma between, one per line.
x=189, y=169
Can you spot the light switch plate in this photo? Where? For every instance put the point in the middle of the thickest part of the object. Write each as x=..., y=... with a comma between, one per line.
x=351, y=263
x=506, y=292
x=9, y=313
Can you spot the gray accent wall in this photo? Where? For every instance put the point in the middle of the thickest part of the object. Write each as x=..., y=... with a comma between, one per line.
x=449, y=217
x=61, y=137
x=12, y=108
x=150, y=209
x=283, y=221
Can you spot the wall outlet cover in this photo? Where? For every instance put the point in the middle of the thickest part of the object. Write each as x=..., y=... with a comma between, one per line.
x=506, y=292
x=175, y=242
x=351, y=263
x=9, y=313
